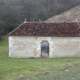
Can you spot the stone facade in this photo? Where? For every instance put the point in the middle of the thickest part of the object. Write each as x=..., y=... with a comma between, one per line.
x=30, y=46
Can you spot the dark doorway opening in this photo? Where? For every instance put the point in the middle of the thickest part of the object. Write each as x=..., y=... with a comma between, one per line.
x=45, y=49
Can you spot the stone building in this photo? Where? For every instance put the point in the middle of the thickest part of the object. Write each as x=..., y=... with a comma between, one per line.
x=36, y=40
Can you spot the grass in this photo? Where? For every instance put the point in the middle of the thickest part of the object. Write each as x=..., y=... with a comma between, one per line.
x=12, y=68
x=72, y=73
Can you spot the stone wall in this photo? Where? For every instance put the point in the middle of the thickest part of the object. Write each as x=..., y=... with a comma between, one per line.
x=22, y=46
x=66, y=47
x=26, y=47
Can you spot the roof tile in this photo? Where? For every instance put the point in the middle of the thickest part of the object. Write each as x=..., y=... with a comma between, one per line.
x=47, y=29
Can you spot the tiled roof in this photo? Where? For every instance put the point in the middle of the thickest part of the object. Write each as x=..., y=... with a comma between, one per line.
x=46, y=29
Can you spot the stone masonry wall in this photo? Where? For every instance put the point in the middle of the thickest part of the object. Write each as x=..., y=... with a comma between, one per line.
x=26, y=47
x=66, y=47
x=22, y=46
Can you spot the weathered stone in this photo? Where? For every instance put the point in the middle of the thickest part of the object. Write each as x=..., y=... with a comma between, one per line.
x=30, y=46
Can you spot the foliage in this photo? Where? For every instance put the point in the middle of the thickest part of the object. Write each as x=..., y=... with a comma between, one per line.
x=13, y=12
x=2, y=31
x=12, y=68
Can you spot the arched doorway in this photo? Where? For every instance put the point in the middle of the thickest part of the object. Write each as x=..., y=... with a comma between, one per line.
x=45, y=49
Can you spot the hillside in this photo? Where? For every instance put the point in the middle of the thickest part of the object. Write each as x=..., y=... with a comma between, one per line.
x=68, y=16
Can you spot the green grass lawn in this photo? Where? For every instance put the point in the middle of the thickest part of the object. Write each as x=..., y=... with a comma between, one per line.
x=12, y=68
x=72, y=73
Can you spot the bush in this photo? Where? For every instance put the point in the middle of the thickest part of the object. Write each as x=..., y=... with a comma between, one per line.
x=1, y=38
